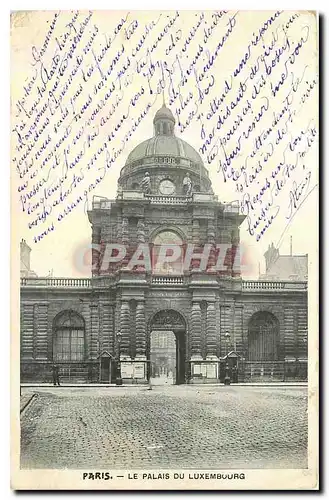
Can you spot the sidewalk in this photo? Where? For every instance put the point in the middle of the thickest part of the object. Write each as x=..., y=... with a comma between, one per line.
x=219, y=384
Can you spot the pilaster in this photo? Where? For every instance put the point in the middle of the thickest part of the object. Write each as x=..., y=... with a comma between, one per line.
x=140, y=329
x=124, y=327
x=211, y=340
x=196, y=330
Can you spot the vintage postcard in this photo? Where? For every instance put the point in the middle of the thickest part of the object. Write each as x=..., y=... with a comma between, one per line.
x=164, y=175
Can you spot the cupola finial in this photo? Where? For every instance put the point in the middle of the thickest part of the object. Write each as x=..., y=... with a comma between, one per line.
x=164, y=120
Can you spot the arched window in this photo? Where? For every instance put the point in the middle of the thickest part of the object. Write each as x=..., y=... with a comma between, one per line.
x=69, y=337
x=263, y=337
x=167, y=237
x=168, y=252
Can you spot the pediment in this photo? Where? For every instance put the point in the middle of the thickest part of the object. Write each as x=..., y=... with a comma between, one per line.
x=233, y=354
x=105, y=354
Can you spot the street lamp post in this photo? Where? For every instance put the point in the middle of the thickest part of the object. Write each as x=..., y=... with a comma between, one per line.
x=118, y=378
x=227, y=379
x=149, y=376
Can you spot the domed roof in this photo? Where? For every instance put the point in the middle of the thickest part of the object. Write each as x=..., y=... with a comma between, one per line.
x=159, y=145
x=164, y=154
x=164, y=142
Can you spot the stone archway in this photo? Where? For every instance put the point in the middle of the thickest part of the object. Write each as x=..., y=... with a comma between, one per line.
x=263, y=337
x=166, y=321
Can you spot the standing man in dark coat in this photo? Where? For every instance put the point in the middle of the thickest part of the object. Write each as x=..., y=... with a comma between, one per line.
x=55, y=374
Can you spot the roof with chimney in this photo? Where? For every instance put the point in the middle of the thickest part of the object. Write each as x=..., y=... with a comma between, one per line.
x=25, y=258
x=284, y=267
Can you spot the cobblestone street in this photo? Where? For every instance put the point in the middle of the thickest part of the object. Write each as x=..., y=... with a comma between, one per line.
x=169, y=427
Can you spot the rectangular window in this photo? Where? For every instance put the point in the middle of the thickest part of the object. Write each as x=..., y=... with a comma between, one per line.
x=69, y=345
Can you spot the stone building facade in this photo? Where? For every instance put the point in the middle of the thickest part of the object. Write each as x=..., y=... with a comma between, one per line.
x=255, y=330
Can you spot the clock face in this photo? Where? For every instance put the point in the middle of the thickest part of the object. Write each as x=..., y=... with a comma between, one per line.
x=167, y=187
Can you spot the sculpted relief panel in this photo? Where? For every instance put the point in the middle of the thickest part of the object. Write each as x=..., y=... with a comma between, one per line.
x=168, y=318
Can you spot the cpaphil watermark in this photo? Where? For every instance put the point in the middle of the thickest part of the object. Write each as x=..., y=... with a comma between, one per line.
x=166, y=258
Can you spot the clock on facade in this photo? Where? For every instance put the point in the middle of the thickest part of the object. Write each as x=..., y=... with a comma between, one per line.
x=167, y=187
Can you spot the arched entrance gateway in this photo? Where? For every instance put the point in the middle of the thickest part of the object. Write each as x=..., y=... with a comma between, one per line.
x=167, y=347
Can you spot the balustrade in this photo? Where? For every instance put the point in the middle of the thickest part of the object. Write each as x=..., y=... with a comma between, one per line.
x=57, y=282
x=167, y=280
x=162, y=280
x=274, y=285
x=168, y=200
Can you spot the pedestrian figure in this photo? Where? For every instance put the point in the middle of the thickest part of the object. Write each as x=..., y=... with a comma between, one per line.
x=55, y=374
x=150, y=373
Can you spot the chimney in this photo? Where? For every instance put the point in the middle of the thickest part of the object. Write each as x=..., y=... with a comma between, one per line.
x=25, y=252
x=290, y=246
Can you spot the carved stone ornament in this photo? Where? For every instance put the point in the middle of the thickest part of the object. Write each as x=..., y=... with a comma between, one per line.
x=141, y=231
x=146, y=183
x=168, y=318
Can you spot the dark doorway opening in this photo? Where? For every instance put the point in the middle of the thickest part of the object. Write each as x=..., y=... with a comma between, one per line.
x=106, y=368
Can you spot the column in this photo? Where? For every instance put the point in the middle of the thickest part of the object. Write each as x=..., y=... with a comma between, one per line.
x=111, y=331
x=238, y=328
x=100, y=328
x=42, y=332
x=132, y=329
x=196, y=242
x=211, y=337
x=141, y=231
x=125, y=230
x=226, y=326
x=104, y=326
x=119, y=227
x=211, y=234
x=125, y=240
x=35, y=329
x=94, y=331
x=195, y=231
x=140, y=329
x=196, y=330
x=125, y=327
x=287, y=332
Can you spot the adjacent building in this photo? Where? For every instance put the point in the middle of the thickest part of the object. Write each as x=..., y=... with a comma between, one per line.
x=25, y=261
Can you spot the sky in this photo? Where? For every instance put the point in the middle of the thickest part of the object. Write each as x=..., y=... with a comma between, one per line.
x=57, y=253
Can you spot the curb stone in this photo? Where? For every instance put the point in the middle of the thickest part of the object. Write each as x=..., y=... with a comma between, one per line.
x=28, y=402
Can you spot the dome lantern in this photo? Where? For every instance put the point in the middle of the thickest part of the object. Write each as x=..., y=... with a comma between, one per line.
x=164, y=121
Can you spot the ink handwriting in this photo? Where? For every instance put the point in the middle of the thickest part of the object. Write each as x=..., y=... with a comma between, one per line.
x=91, y=86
